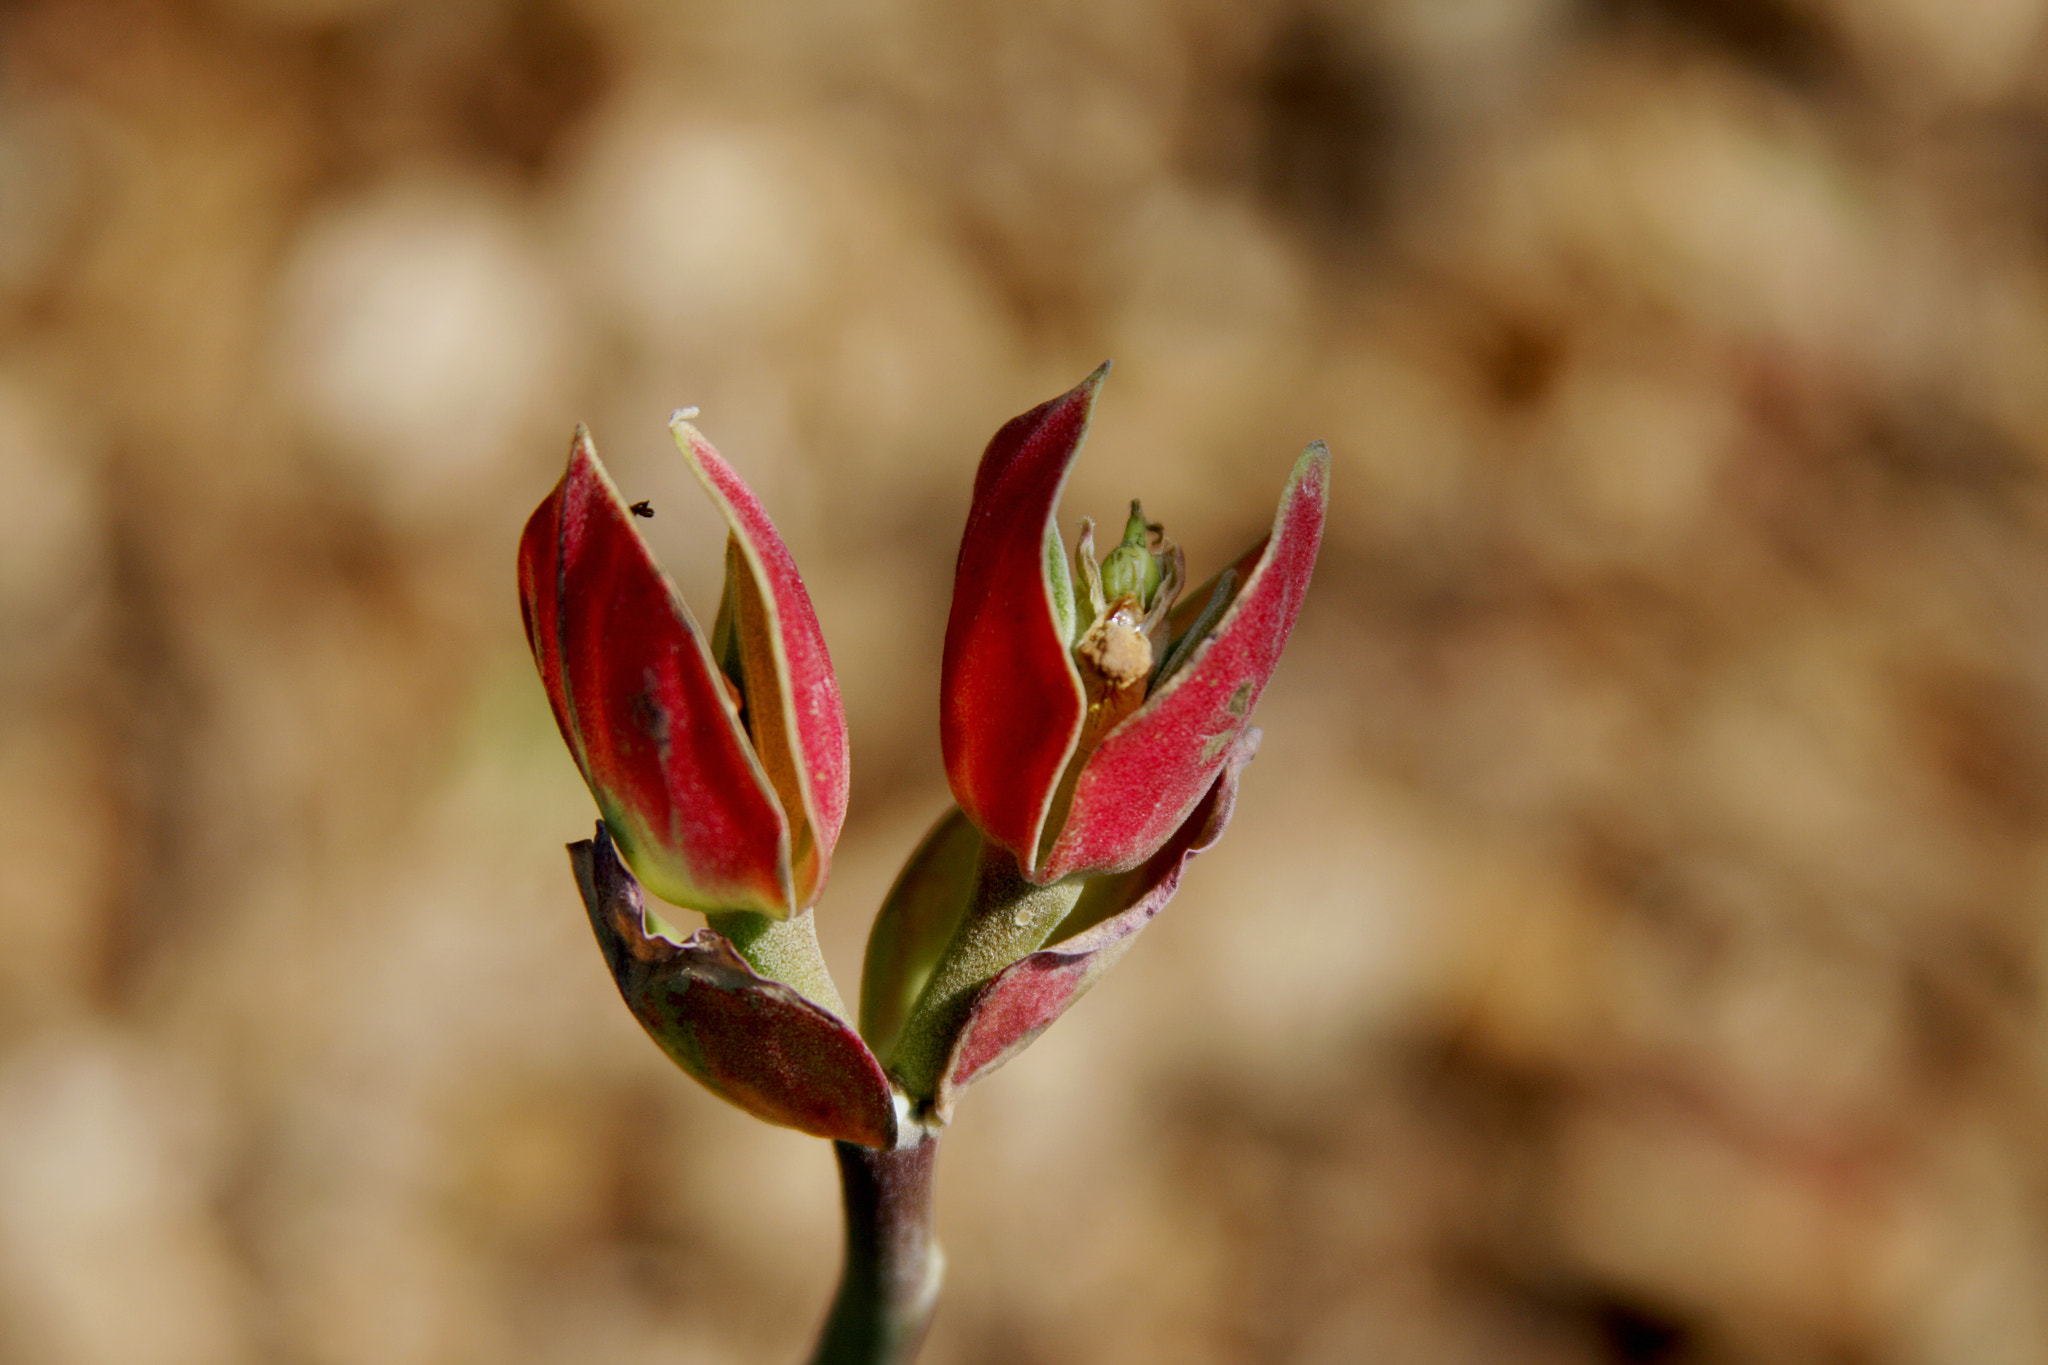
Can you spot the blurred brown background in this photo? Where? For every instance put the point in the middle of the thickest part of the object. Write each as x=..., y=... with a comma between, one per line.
x=1628, y=947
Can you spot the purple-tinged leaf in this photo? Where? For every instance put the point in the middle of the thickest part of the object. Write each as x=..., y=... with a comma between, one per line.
x=1024, y=999
x=750, y=1040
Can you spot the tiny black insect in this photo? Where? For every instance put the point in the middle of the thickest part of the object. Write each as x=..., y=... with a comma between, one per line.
x=643, y=508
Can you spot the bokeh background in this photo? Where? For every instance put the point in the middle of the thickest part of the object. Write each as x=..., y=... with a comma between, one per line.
x=1628, y=948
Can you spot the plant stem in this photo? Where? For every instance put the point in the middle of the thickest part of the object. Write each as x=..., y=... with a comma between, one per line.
x=785, y=949
x=890, y=1283
x=1007, y=918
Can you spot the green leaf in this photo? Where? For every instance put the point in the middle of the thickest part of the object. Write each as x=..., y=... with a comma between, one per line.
x=914, y=926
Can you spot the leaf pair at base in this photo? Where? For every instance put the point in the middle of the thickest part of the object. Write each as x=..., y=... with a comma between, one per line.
x=766, y=1048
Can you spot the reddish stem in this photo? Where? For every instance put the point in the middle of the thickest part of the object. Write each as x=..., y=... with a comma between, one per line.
x=890, y=1283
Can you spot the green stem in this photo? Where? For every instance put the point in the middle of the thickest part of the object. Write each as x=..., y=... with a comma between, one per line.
x=1007, y=918
x=890, y=1283
x=785, y=949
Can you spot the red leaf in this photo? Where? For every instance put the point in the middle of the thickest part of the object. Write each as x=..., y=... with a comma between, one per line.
x=643, y=707
x=1011, y=702
x=814, y=713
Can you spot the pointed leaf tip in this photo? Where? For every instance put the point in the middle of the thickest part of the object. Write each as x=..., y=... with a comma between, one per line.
x=796, y=717
x=1011, y=701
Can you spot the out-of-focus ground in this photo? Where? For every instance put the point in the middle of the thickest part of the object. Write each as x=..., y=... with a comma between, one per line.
x=1628, y=948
